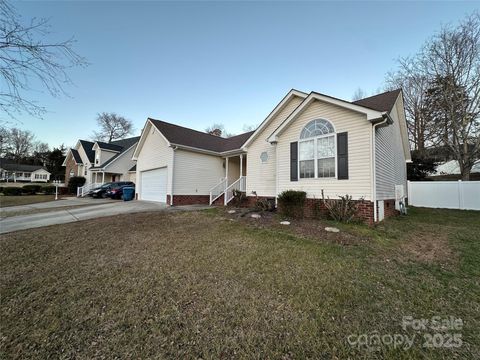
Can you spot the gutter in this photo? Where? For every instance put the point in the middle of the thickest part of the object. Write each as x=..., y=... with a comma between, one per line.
x=385, y=120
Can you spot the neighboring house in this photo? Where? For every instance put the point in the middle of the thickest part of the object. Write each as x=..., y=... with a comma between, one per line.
x=310, y=142
x=450, y=170
x=11, y=171
x=101, y=162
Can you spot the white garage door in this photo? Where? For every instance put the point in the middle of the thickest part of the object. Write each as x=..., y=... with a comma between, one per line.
x=154, y=185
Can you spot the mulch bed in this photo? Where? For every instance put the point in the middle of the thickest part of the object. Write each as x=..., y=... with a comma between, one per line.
x=305, y=228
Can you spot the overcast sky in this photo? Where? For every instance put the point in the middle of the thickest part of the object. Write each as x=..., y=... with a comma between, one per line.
x=200, y=63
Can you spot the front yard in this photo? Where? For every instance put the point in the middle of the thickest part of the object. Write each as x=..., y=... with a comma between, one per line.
x=6, y=201
x=208, y=285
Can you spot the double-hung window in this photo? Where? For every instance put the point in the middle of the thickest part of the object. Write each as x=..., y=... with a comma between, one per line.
x=317, y=150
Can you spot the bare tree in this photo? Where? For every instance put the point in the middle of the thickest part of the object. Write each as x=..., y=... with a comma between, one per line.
x=21, y=143
x=4, y=141
x=359, y=94
x=414, y=86
x=112, y=127
x=26, y=56
x=451, y=59
x=218, y=130
x=41, y=152
x=248, y=128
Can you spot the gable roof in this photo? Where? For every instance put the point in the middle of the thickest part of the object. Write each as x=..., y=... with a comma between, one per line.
x=88, y=148
x=76, y=156
x=380, y=102
x=179, y=135
x=11, y=165
x=108, y=146
x=280, y=106
x=372, y=106
x=122, y=146
x=372, y=115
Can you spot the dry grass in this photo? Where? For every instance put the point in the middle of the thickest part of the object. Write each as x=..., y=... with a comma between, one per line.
x=6, y=201
x=197, y=285
x=5, y=214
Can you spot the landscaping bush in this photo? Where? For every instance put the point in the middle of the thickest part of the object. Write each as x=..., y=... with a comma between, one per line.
x=49, y=190
x=238, y=198
x=74, y=182
x=263, y=204
x=12, y=191
x=31, y=189
x=344, y=209
x=1, y=189
x=291, y=203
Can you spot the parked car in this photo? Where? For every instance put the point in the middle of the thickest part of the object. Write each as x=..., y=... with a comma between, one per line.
x=117, y=192
x=102, y=190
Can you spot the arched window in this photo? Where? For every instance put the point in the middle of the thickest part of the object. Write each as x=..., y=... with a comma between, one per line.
x=317, y=150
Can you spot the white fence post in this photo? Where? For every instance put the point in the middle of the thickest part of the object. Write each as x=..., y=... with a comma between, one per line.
x=460, y=195
x=409, y=192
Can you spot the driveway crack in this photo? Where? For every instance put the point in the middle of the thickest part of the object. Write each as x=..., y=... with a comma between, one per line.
x=68, y=211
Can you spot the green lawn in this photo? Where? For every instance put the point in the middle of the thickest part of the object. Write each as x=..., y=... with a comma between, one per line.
x=199, y=285
x=6, y=201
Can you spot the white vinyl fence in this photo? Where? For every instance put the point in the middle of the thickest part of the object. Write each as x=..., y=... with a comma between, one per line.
x=463, y=195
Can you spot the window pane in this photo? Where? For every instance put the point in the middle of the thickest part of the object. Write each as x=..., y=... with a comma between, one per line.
x=306, y=150
x=307, y=169
x=316, y=128
x=326, y=147
x=326, y=167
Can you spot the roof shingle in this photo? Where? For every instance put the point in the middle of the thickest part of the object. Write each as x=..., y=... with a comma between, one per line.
x=380, y=102
x=180, y=135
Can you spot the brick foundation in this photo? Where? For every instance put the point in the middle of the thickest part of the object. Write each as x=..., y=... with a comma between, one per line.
x=389, y=208
x=316, y=208
x=189, y=199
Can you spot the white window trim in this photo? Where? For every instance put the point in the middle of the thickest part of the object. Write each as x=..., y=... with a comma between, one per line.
x=315, y=153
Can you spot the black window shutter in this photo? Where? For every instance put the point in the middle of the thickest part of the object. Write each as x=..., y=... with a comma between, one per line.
x=294, y=161
x=342, y=155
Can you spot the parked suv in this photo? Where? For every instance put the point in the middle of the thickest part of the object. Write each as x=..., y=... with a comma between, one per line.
x=117, y=192
x=102, y=190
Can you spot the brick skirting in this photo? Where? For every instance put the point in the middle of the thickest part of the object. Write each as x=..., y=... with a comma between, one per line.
x=389, y=208
x=313, y=207
x=189, y=199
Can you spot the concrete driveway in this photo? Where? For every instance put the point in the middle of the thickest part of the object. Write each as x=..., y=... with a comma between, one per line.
x=57, y=215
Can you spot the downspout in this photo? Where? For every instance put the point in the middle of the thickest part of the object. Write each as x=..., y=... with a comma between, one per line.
x=374, y=170
x=173, y=172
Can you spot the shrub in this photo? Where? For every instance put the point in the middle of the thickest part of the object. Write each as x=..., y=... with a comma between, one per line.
x=12, y=191
x=264, y=204
x=343, y=209
x=291, y=203
x=1, y=189
x=31, y=189
x=238, y=197
x=74, y=182
x=49, y=190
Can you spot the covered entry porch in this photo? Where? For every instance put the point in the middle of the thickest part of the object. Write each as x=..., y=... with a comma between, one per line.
x=235, y=178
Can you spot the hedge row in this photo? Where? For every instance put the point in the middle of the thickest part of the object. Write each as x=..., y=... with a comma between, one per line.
x=31, y=190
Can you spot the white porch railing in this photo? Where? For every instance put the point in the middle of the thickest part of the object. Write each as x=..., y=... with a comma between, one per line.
x=218, y=190
x=85, y=189
x=239, y=184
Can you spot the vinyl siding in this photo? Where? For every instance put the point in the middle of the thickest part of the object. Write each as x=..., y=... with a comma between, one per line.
x=86, y=163
x=154, y=153
x=359, y=153
x=261, y=177
x=122, y=164
x=104, y=155
x=390, y=165
x=195, y=173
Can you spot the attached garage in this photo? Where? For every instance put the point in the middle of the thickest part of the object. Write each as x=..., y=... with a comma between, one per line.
x=154, y=185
